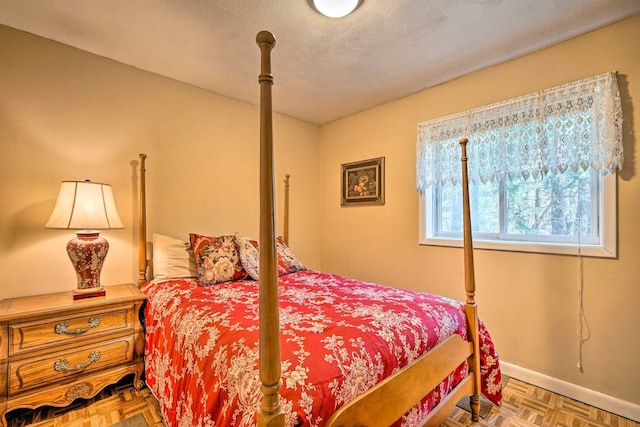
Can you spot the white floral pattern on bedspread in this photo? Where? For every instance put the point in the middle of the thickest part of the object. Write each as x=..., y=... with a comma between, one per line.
x=339, y=337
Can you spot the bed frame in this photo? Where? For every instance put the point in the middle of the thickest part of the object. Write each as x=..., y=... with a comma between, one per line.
x=386, y=402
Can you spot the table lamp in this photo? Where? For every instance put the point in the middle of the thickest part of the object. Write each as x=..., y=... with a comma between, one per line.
x=87, y=207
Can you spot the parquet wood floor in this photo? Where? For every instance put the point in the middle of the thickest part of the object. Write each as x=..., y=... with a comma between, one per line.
x=113, y=404
x=523, y=405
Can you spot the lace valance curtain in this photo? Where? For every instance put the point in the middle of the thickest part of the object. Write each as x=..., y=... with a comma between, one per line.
x=574, y=126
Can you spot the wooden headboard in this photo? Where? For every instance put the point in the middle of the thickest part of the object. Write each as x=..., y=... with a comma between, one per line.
x=144, y=261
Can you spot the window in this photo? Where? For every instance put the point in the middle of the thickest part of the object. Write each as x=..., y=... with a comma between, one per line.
x=541, y=168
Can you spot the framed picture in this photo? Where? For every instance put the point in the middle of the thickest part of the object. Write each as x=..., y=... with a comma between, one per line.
x=363, y=182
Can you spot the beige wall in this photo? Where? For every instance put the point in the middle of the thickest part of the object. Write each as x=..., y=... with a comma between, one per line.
x=69, y=115
x=529, y=301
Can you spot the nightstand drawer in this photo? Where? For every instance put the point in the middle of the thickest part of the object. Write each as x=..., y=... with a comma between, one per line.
x=51, y=368
x=29, y=336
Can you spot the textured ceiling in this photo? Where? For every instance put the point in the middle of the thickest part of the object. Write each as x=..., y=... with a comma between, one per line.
x=324, y=68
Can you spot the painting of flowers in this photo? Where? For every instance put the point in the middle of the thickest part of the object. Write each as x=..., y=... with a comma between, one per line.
x=363, y=182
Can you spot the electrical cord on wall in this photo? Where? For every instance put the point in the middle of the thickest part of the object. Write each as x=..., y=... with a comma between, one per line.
x=582, y=319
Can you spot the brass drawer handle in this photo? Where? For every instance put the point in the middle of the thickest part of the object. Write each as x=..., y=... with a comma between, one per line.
x=62, y=327
x=61, y=365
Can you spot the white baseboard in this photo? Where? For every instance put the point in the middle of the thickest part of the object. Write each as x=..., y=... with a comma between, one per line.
x=603, y=401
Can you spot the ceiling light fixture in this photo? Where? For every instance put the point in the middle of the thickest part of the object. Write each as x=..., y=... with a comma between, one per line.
x=335, y=8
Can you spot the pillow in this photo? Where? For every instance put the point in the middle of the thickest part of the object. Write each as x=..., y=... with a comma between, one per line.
x=172, y=259
x=217, y=259
x=287, y=261
x=250, y=257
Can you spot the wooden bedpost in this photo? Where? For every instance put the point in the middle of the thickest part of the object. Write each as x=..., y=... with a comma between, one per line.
x=285, y=232
x=471, y=307
x=142, y=224
x=270, y=413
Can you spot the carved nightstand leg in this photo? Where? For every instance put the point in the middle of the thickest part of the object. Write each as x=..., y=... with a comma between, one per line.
x=137, y=379
x=3, y=415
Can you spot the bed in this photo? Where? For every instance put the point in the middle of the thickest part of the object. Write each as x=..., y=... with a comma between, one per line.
x=239, y=332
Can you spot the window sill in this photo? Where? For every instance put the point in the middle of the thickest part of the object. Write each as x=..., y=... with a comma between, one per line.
x=597, y=251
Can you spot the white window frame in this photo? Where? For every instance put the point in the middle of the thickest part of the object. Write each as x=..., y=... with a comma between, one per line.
x=607, y=224
x=523, y=137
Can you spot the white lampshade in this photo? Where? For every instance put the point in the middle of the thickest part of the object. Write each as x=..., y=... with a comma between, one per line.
x=335, y=8
x=85, y=205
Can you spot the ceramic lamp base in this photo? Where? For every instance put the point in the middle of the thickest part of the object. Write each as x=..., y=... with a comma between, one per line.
x=87, y=253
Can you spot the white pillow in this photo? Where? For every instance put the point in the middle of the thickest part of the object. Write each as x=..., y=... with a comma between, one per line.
x=172, y=259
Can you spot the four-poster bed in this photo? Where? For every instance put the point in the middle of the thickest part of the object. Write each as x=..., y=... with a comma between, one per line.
x=330, y=351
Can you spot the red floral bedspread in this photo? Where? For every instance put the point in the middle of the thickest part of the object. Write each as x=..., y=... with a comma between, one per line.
x=339, y=337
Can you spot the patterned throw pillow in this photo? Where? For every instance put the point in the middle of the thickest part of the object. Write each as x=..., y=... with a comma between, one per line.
x=217, y=259
x=287, y=261
x=250, y=257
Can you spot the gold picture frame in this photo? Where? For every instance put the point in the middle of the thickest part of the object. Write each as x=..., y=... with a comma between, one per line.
x=363, y=182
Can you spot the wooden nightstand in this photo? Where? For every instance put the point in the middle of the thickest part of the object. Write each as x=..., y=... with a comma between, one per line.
x=54, y=349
